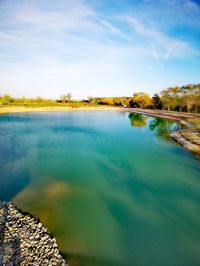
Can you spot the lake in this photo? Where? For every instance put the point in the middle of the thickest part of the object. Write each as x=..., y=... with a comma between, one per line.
x=112, y=187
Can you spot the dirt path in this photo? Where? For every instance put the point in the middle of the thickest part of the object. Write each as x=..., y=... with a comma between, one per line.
x=166, y=114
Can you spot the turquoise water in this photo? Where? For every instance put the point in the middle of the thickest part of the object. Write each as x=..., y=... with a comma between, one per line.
x=111, y=186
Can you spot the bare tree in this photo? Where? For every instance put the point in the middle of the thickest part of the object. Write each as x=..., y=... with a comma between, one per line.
x=63, y=98
x=69, y=97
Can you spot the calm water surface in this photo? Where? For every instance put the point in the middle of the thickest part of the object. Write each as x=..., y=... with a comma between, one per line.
x=111, y=186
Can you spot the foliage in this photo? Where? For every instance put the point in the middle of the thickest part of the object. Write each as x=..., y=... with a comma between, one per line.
x=185, y=98
x=137, y=120
x=156, y=101
x=107, y=101
x=114, y=101
x=66, y=97
x=6, y=99
x=163, y=127
x=140, y=99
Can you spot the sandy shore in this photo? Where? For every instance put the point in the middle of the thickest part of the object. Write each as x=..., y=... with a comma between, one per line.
x=157, y=113
x=22, y=109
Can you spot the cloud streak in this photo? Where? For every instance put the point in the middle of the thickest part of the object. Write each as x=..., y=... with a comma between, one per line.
x=88, y=50
x=164, y=45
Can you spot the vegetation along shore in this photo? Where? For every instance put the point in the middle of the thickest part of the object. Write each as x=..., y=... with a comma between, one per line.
x=99, y=133
x=178, y=103
x=23, y=239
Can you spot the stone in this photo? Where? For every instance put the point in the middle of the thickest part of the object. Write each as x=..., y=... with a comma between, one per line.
x=24, y=241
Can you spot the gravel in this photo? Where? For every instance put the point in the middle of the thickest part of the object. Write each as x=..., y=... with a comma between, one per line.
x=24, y=241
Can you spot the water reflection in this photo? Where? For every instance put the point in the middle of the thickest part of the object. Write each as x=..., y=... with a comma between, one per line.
x=18, y=180
x=163, y=127
x=137, y=120
x=14, y=174
x=109, y=197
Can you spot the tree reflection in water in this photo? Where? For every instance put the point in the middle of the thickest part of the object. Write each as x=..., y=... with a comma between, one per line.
x=137, y=120
x=163, y=127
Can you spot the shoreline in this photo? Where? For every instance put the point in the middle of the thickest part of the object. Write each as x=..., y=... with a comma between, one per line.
x=24, y=240
x=151, y=112
x=189, y=138
x=22, y=109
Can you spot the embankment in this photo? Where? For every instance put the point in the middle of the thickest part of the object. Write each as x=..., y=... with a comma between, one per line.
x=189, y=137
x=24, y=241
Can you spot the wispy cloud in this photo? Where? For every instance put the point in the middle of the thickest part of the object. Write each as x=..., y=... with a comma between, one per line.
x=92, y=51
x=189, y=5
x=71, y=18
x=166, y=47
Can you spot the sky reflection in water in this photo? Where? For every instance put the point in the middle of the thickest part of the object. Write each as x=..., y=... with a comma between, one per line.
x=111, y=186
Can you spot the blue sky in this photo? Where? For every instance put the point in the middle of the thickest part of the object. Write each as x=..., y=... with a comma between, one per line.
x=97, y=47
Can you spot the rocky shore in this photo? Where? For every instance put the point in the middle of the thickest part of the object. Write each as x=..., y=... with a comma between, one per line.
x=189, y=139
x=24, y=241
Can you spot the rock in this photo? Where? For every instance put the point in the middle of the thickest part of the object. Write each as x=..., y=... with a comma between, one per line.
x=190, y=140
x=40, y=225
x=24, y=241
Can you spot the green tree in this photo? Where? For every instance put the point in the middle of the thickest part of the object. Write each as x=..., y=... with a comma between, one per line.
x=163, y=127
x=188, y=96
x=7, y=99
x=137, y=120
x=39, y=99
x=168, y=99
x=156, y=100
x=141, y=100
x=90, y=99
x=196, y=97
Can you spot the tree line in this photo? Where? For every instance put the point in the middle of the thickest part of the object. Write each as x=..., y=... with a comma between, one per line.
x=185, y=98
